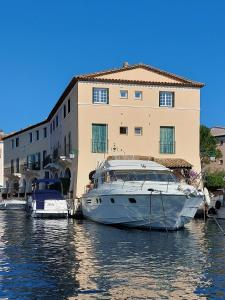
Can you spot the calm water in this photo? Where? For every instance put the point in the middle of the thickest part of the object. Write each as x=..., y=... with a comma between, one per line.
x=67, y=259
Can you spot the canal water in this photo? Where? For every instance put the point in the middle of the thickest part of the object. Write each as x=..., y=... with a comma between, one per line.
x=71, y=259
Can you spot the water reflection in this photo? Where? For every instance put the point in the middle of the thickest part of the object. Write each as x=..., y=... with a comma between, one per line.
x=67, y=259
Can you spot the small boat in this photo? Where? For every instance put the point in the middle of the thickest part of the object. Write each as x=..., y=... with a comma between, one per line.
x=141, y=194
x=47, y=200
x=13, y=204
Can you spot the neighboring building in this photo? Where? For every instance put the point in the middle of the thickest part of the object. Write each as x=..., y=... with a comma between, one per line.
x=219, y=133
x=132, y=110
x=2, y=135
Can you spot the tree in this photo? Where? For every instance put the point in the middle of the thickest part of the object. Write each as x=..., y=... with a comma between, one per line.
x=214, y=180
x=208, y=145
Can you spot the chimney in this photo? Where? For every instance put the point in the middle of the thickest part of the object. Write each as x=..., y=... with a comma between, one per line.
x=125, y=64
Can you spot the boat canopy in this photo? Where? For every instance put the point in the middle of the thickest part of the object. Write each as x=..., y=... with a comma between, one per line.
x=47, y=181
x=131, y=165
x=41, y=195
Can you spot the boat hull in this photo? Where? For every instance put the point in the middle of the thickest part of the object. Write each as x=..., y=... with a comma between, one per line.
x=51, y=209
x=156, y=211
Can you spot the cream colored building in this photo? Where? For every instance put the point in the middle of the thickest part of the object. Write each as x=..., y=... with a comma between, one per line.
x=219, y=133
x=1, y=159
x=132, y=110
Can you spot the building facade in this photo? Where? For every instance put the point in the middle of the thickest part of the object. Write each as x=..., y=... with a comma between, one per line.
x=1, y=159
x=132, y=110
x=219, y=133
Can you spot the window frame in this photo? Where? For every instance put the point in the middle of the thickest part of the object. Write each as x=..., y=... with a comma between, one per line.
x=138, y=98
x=17, y=142
x=37, y=135
x=165, y=100
x=94, y=101
x=125, y=91
x=138, y=127
x=31, y=137
x=126, y=127
x=45, y=132
x=68, y=106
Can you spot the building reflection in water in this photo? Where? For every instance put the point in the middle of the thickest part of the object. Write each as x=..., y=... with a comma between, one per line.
x=134, y=264
x=68, y=259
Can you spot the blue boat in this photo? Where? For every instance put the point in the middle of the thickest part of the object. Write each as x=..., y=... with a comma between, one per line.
x=46, y=200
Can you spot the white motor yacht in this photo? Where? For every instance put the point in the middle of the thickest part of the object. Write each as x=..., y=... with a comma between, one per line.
x=138, y=193
x=46, y=200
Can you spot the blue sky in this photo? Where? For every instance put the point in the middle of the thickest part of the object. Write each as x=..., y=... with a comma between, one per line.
x=44, y=43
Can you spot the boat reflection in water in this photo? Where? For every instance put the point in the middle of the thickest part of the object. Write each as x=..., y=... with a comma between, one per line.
x=67, y=259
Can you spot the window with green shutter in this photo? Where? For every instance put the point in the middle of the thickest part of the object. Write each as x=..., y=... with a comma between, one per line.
x=167, y=140
x=99, y=138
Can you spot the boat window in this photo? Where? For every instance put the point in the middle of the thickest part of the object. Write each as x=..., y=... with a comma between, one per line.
x=112, y=200
x=95, y=183
x=88, y=201
x=132, y=200
x=100, y=200
x=145, y=175
x=96, y=200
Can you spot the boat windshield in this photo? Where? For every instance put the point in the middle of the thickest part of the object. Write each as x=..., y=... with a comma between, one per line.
x=49, y=186
x=145, y=175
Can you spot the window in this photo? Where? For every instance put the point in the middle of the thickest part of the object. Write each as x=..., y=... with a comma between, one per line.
x=112, y=200
x=65, y=152
x=31, y=137
x=53, y=125
x=17, y=142
x=123, y=94
x=45, y=132
x=123, y=130
x=12, y=143
x=68, y=106
x=221, y=143
x=64, y=111
x=166, y=99
x=220, y=162
x=167, y=140
x=57, y=121
x=69, y=143
x=44, y=160
x=138, y=130
x=17, y=165
x=138, y=95
x=100, y=95
x=99, y=138
x=132, y=200
x=12, y=166
x=37, y=135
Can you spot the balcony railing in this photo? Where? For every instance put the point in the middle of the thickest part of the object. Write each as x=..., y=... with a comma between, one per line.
x=167, y=148
x=99, y=146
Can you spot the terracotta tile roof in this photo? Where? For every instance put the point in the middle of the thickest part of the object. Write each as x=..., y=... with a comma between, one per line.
x=146, y=67
x=173, y=162
x=140, y=82
x=167, y=162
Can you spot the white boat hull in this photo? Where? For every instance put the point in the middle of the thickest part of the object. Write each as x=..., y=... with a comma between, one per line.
x=51, y=209
x=162, y=212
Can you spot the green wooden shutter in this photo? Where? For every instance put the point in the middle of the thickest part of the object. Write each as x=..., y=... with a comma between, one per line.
x=167, y=144
x=99, y=138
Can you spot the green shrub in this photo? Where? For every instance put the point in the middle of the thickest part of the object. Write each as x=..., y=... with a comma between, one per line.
x=214, y=180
